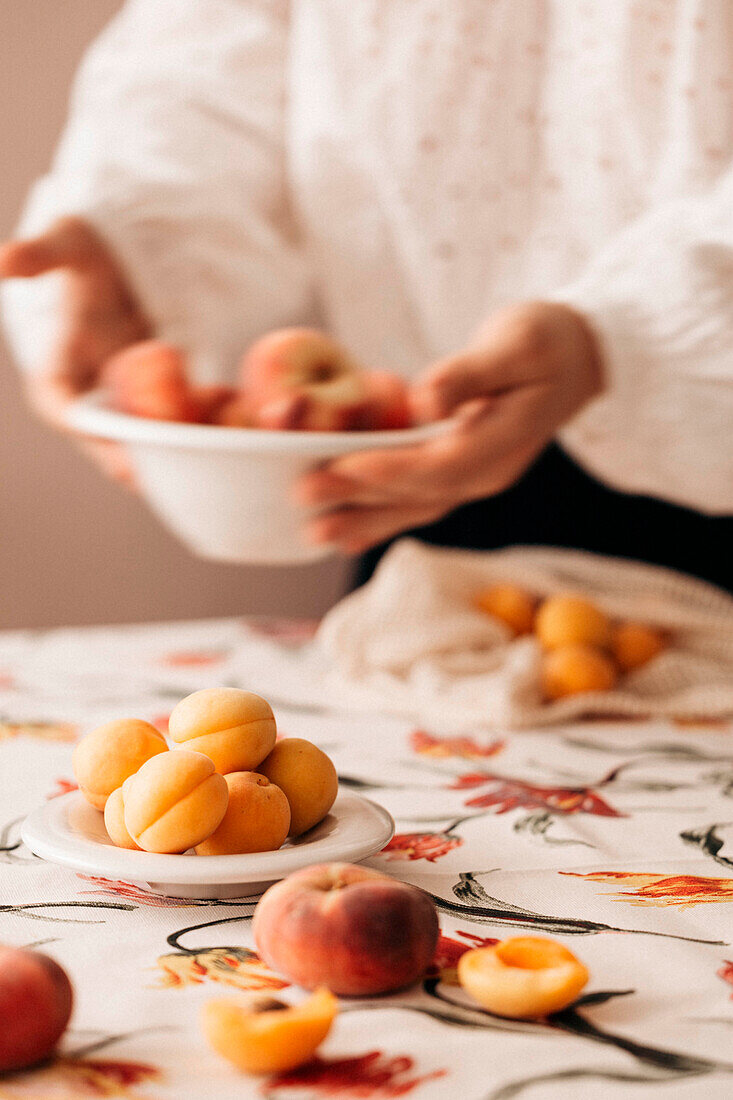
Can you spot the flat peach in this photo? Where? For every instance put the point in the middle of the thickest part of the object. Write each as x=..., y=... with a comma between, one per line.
x=174, y=802
x=308, y=778
x=574, y=669
x=524, y=978
x=512, y=605
x=114, y=822
x=107, y=756
x=571, y=620
x=633, y=645
x=267, y=1036
x=235, y=729
x=257, y=817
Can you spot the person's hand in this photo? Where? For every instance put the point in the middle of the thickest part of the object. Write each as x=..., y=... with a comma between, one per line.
x=530, y=369
x=100, y=316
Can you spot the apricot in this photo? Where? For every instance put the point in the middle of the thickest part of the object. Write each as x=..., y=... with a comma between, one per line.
x=174, y=802
x=574, y=669
x=308, y=778
x=107, y=756
x=149, y=379
x=234, y=728
x=524, y=977
x=633, y=645
x=257, y=817
x=509, y=603
x=265, y=1035
x=35, y=1006
x=114, y=821
x=571, y=620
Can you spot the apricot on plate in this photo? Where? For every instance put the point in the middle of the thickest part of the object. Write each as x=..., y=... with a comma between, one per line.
x=235, y=729
x=633, y=645
x=509, y=603
x=308, y=778
x=257, y=817
x=114, y=822
x=575, y=669
x=571, y=620
x=174, y=802
x=107, y=756
x=524, y=977
x=265, y=1035
x=35, y=1006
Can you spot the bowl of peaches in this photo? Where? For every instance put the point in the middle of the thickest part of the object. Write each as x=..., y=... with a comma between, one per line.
x=217, y=464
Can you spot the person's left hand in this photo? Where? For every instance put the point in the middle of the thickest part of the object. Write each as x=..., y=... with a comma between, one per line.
x=531, y=368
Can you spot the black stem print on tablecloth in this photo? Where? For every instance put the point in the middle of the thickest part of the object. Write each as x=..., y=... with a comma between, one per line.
x=174, y=940
x=27, y=910
x=10, y=847
x=540, y=823
x=710, y=842
x=475, y=904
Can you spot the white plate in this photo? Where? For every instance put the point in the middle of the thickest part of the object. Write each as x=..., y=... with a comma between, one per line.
x=67, y=830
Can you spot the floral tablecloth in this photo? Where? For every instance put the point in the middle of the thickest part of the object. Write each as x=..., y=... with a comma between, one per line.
x=614, y=837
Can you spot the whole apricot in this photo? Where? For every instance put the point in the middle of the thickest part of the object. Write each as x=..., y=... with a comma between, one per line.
x=114, y=822
x=509, y=603
x=35, y=1006
x=265, y=1035
x=575, y=669
x=235, y=729
x=174, y=802
x=257, y=817
x=308, y=778
x=571, y=620
x=525, y=977
x=633, y=645
x=107, y=756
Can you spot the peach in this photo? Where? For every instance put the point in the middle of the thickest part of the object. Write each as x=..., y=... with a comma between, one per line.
x=35, y=1006
x=388, y=402
x=210, y=402
x=509, y=603
x=114, y=821
x=149, y=379
x=347, y=927
x=264, y=1035
x=301, y=378
x=574, y=669
x=571, y=620
x=105, y=758
x=524, y=977
x=236, y=729
x=633, y=645
x=235, y=413
x=257, y=817
x=174, y=802
x=308, y=778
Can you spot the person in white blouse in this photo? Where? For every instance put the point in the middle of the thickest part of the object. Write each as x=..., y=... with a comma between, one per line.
x=525, y=204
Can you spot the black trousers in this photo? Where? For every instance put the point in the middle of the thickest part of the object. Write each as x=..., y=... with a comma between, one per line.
x=558, y=504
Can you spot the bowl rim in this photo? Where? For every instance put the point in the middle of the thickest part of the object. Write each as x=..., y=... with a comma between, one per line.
x=90, y=415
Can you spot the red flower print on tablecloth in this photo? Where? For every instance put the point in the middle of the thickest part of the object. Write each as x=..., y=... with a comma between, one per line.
x=194, y=658
x=74, y=1079
x=233, y=966
x=289, y=631
x=441, y=747
x=132, y=893
x=44, y=731
x=449, y=951
x=371, y=1075
x=63, y=786
x=508, y=794
x=427, y=846
x=662, y=890
x=726, y=973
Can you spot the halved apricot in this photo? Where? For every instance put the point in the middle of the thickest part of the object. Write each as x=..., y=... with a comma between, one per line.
x=264, y=1035
x=525, y=977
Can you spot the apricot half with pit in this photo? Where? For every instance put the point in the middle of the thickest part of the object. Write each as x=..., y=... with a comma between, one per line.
x=525, y=977
x=235, y=729
x=308, y=778
x=107, y=756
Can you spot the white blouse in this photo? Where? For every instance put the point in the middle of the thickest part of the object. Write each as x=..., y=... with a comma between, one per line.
x=397, y=169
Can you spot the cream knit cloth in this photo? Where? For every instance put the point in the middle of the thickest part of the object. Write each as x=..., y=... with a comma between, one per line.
x=410, y=641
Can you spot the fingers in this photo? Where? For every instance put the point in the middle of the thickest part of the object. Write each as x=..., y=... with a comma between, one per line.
x=68, y=243
x=449, y=384
x=111, y=459
x=354, y=530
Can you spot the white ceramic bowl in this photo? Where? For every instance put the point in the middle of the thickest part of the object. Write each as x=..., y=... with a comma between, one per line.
x=226, y=492
x=68, y=831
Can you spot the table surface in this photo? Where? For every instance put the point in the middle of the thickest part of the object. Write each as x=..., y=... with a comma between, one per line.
x=615, y=838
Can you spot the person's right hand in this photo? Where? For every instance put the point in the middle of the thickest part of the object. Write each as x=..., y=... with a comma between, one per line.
x=99, y=316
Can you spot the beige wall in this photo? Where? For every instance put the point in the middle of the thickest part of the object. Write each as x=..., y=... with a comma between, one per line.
x=74, y=549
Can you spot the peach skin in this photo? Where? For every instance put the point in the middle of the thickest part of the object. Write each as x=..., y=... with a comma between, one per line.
x=174, y=802
x=264, y=1035
x=524, y=978
x=114, y=822
x=308, y=778
x=257, y=817
x=35, y=1006
x=105, y=758
x=234, y=728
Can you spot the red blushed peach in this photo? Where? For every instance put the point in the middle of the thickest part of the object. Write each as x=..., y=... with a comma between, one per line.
x=210, y=402
x=348, y=928
x=388, y=402
x=149, y=379
x=35, y=1006
x=300, y=378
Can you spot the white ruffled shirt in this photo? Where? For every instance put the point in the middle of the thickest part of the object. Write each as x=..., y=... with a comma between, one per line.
x=397, y=169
